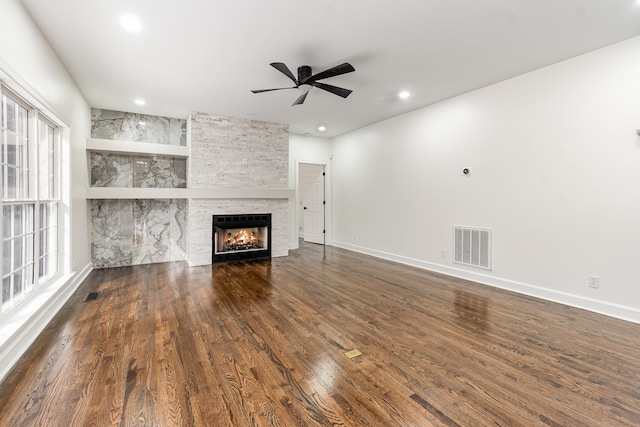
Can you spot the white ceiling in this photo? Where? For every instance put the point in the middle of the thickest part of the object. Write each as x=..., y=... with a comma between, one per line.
x=206, y=55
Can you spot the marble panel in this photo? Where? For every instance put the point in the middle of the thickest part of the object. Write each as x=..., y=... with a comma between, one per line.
x=151, y=231
x=159, y=172
x=124, y=126
x=126, y=171
x=111, y=233
x=132, y=232
x=109, y=170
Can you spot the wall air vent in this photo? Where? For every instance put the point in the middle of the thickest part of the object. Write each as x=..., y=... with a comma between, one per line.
x=472, y=246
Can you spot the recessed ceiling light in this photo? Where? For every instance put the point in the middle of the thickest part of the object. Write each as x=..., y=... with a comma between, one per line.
x=131, y=24
x=404, y=94
x=322, y=128
x=139, y=102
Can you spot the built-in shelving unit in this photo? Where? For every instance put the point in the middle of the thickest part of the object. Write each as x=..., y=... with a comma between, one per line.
x=95, y=145
x=165, y=150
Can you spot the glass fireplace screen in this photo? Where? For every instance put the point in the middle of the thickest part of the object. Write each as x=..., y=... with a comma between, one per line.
x=241, y=239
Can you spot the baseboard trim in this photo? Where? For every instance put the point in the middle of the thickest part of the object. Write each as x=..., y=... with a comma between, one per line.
x=30, y=320
x=601, y=307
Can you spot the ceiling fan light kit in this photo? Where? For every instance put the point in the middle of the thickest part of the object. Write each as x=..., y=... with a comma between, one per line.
x=307, y=81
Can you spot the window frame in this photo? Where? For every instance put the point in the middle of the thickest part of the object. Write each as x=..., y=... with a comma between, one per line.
x=35, y=117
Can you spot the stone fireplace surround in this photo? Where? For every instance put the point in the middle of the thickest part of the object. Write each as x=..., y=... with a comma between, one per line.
x=238, y=158
x=235, y=166
x=199, y=220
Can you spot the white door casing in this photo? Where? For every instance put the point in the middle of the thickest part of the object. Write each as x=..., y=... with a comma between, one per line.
x=313, y=203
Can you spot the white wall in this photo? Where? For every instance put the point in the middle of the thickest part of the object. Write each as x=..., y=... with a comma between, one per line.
x=29, y=66
x=314, y=150
x=27, y=58
x=555, y=173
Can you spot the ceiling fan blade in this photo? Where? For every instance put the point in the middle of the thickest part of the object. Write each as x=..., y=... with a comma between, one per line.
x=269, y=90
x=331, y=72
x=333, y=89
x=300, y=99
x=284, y=70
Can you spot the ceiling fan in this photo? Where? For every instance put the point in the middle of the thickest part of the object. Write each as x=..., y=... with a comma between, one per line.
x=305, y=81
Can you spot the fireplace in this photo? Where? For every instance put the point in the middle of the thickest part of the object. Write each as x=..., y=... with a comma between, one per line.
x=241, y=237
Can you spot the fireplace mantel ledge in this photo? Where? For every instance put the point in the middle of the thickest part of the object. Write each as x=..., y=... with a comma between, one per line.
x=241, y=193
x=188, y=193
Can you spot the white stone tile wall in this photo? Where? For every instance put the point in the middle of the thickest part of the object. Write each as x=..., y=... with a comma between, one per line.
x=228, y=152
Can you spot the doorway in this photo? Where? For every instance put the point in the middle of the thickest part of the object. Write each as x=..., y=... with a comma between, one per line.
x=312, y=202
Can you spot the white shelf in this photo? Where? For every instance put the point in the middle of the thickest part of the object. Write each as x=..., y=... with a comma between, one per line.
x=240, y=193
x=187, y=193
x=136, y=193
x=128, y=147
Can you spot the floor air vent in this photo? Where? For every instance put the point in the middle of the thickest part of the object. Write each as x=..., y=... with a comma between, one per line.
x=472, y=246
x=92, y=296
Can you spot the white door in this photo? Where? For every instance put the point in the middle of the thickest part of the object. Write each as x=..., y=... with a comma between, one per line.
x=313, y=203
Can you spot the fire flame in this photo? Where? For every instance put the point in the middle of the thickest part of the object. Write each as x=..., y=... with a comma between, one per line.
x=243, y=239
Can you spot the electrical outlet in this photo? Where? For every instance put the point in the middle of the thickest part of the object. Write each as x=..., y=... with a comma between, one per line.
x=74, y=265
x=354, y=238
x=443, y=254
x=594, y=282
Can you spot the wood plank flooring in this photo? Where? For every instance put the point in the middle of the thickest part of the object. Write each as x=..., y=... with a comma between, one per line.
x=263, y=344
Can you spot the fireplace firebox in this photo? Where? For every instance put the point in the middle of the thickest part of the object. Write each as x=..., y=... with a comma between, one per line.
x=241, y=237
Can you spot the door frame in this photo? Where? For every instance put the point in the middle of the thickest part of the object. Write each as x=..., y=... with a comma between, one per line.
x=299, y=196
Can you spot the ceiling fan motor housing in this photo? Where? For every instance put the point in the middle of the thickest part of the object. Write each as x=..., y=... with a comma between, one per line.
x=304, y=72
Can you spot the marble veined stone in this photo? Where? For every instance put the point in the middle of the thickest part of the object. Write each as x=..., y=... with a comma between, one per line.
x=123, y=126
x=126, y=171
x=109, y=170
x=178, y=229
x=151, y=231
x=132, y=232
x=111, y=225
x=159, y=172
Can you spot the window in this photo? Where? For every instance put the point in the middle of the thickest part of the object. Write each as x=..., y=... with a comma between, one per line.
x=47, y=193
x=30, y=238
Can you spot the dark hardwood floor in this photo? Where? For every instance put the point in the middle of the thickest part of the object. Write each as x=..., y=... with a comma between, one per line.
x=264, y=344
